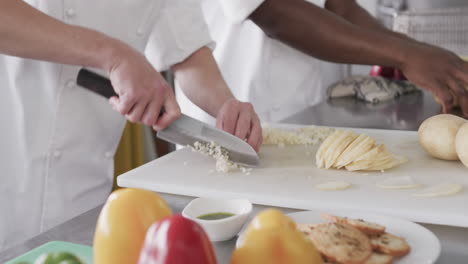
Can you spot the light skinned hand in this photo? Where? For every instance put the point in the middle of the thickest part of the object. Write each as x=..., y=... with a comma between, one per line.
x=239, y=118
x=142, y=91
x=441, y=72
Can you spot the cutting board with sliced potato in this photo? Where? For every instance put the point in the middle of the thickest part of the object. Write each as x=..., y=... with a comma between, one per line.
x=288, y=177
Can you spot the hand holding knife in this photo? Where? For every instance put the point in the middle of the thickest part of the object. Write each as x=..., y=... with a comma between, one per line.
x=185, y=130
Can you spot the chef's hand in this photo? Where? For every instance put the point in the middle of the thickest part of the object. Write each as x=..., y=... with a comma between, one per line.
x=142, y=91
x=240, y=119
x=441, y=72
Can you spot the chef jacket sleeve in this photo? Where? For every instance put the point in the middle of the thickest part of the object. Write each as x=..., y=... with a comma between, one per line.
x=179, y=31
x=239, y=10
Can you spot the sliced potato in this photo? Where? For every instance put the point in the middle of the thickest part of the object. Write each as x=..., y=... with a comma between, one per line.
x=379, y=158
x=319, y=157
x=366, y=160
x=381, y=164
x=333, y=186
x=404, y=182
x=355, y=152
x=335, y=150
x=445, y=189
x=361, y=145
x=340, y=135
x=390, y=162
x=377, y=153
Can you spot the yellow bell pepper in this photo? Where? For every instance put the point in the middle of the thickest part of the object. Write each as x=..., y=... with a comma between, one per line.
x=122, y=225
x=272, y=238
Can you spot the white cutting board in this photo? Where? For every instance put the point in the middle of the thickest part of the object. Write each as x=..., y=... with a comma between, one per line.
x=287, y=176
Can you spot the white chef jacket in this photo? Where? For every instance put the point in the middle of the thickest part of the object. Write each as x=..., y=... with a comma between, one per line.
x=58, y=140
x=277, y=79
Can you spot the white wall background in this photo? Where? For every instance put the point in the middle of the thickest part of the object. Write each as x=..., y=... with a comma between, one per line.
x=370, y=5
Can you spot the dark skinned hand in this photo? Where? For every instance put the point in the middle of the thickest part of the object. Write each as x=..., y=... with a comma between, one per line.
x=441, y=72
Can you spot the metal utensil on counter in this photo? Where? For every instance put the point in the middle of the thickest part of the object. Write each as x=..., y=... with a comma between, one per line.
x=185, y=130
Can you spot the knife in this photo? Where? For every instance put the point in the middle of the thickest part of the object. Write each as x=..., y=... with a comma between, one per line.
x=185, y=130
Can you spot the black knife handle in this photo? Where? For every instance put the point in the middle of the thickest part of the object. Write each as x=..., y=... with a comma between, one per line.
x=96, y=83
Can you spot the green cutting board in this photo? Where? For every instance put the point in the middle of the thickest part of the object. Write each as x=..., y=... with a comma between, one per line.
x=85, y=253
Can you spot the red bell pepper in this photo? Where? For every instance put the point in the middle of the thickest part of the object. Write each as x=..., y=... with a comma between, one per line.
x=387, y=72
x=176, y=240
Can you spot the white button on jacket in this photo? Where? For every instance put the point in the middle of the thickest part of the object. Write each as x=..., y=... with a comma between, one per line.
x=58, y=140
x=279, y=80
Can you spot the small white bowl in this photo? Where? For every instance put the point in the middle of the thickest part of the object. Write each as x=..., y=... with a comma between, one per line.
x=222, y=229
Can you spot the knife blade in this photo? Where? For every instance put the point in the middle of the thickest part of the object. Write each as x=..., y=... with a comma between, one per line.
x=185, y=130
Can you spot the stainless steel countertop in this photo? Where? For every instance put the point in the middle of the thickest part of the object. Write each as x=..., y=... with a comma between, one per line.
x=406, y=113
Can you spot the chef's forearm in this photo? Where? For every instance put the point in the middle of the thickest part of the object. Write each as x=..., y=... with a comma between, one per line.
x=29, y=33
x=324, y=35
x=201, y=81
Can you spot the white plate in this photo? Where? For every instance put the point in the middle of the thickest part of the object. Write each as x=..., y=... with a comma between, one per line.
x=425, y=246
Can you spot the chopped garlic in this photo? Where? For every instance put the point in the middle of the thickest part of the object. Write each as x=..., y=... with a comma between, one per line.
x=221, y=156
x=310, y=135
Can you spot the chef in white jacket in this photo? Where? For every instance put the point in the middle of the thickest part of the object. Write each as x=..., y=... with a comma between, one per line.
x=272, y=53
x=58, y=140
